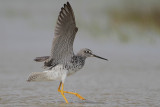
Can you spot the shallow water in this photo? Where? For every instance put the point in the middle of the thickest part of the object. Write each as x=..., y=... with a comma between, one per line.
x=130, y=78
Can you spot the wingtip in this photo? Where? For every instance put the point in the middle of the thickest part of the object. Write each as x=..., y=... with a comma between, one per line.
x=37, y=59
x=65, y=5
x=61, y=8
x=67, y=2
x=41, y=59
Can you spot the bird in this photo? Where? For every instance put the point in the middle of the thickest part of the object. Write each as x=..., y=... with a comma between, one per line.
x=62, y=61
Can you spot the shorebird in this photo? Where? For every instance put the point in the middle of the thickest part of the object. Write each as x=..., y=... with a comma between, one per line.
x=63, y=62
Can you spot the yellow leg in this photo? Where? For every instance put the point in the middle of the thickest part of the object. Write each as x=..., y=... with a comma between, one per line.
x=76, y=94
x=59, y=90
x=62, y=92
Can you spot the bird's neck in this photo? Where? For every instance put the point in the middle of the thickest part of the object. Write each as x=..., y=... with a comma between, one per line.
x=81, y=56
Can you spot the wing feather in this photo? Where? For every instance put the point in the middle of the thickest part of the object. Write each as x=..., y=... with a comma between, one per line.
x=64, y=34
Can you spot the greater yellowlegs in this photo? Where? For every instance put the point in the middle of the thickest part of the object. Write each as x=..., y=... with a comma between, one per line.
x=63, y=62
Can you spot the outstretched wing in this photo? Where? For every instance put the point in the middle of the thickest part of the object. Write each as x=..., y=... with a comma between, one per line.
x=65, y=31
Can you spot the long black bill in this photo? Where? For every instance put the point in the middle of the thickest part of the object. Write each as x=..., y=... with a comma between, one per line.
x=99, y=57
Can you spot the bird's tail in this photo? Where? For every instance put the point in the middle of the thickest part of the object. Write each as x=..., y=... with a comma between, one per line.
x=40, y=76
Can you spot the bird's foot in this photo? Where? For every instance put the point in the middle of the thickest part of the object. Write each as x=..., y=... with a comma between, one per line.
x=62, y=92
x=76, y=94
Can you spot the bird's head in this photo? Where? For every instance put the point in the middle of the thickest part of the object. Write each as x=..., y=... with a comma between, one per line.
x=88, y=53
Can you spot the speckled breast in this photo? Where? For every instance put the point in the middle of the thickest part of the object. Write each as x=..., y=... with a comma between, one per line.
x=75, y=65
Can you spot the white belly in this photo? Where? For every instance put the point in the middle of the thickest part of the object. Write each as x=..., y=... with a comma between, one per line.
x=56, y=73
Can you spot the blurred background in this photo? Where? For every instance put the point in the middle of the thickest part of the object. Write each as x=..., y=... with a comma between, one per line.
x=127, y=32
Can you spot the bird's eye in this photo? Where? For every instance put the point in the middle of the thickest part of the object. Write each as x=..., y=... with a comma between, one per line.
x=86, y=51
